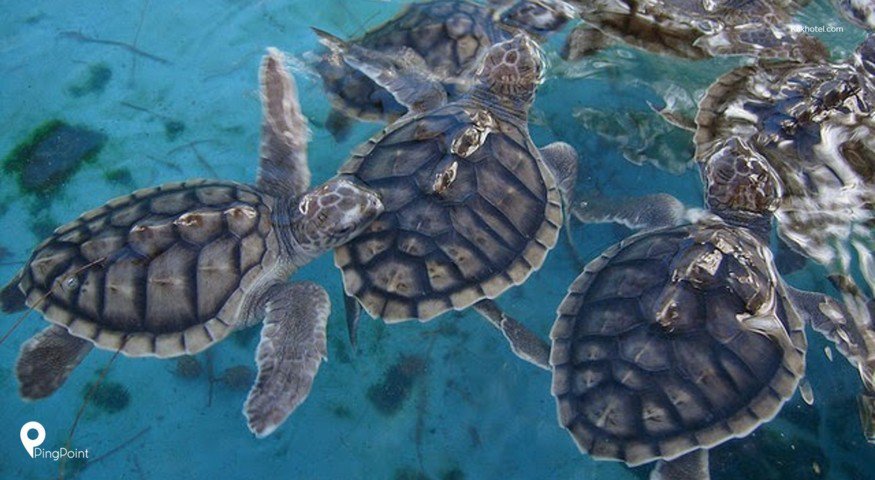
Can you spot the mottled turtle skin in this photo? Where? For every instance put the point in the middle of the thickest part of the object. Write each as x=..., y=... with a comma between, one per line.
x=449, y=36
x=814, y=123
x=163, y=271
x=699, y=29
x=471, y=208
x=650, y=358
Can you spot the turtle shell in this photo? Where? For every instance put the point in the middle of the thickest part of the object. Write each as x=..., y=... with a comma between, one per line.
x=461, y=223
x=448, y=34
x=814, y=124
x=162, y=272
x=651, y=358
x=682, y=27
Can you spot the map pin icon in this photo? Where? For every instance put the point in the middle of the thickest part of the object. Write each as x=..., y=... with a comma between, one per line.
x=29, y=443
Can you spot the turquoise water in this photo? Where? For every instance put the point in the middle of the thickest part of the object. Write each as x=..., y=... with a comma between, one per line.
x=440, y=400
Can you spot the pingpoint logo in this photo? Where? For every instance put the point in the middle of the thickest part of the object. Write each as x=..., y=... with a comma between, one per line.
x=32, y=444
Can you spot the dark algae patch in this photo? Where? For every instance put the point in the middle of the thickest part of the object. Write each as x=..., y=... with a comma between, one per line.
x=454, y=473
x=389, y=395
x=110, y=397
x=173, y=129
x=95, y=81
x=238, y=378
x=51, y=154
x=407, y=473
x=188, y=367
x=121, y=177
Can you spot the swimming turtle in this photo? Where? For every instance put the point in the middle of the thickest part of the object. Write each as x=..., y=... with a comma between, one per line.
x=443, y=37
x=171, y=270
x=859, y=12
x=695, y=29
x=682, y=336
x=815, y=123
x=472, y=206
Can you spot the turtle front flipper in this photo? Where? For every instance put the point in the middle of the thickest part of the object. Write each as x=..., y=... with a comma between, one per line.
x=284, y=133
x=292, y=346
x=524, y=343
x=645, y=212
x=402, y=72
x=47, y=359
x=850, y=327
x=691, y=466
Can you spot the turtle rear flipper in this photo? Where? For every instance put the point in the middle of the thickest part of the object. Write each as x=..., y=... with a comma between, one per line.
x=12, y=299
x=293, y=345
x=692, y=466
x=353, y=316
x=47, y=359
x=524, y=343
x=850, y=328
x=403, y=72
x=644, y=212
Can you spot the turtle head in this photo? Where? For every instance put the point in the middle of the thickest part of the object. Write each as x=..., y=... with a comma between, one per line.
x=512, y=70
x=741, y=185
x=537, y=17
x=333, y=214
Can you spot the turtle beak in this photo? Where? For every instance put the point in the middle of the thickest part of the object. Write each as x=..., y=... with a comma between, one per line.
x=353, y=315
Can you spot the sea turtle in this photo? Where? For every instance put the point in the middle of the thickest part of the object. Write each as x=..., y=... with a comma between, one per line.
x=815, y=123
x=443, y=37
x=683, y=336
x=472, y=206
x=695, y=29
x=171, y=270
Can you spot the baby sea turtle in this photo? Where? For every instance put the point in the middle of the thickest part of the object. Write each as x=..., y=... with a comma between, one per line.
x=682, y=337
x=695, y=29
x=171, y=270
x=472, y=206
x=815, y=123
x=444, y=37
